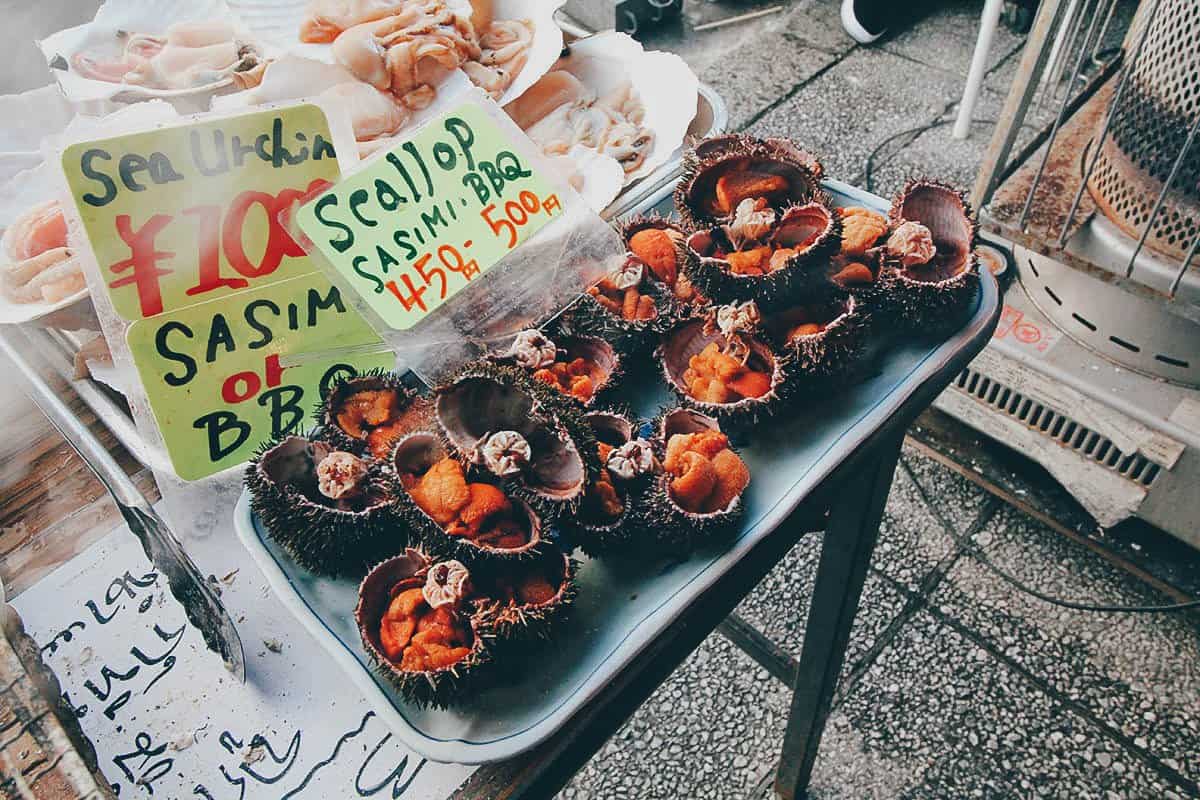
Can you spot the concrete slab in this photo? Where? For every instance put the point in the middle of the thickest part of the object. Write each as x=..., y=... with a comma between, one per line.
x=937, y=716
x=942, y=36
x=779, y=606
x=912, y=541
x=958, y=500
x=865, y=98
x=709, y=732
x=1138, y=674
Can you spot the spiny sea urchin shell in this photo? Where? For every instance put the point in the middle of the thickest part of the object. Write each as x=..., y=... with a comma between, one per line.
x=628, y=308
x=456, y=514
x=773, y=258
x=609, y=519
x=932, y=293
x=823, y=339
x=433, y=656
x=719, y=173
x=367, y=413
x=340, y=534
x=581, y=368
x=557, y=460
x=523, y=600
x=736, y=377
x=697, y=463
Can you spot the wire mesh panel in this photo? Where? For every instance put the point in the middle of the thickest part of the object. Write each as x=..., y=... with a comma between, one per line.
x=1148, y=139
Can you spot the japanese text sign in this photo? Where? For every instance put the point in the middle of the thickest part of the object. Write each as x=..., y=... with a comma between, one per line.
x=414, y=227
x=185, y=225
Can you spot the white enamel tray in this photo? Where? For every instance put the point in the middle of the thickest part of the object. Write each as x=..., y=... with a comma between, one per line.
x=622, y=606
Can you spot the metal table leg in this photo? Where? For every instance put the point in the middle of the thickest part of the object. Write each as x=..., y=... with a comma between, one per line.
x=845, y=555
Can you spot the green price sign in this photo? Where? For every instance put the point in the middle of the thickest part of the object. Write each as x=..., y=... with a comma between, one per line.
x=184, y=223
x=413, y=228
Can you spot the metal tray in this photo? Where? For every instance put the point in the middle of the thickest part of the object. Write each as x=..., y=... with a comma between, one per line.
x=59, y=347
x=623, y=605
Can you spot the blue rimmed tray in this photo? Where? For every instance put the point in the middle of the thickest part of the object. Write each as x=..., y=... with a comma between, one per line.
x=623, y=605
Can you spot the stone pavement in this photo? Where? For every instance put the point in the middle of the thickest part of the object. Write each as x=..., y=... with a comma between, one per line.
x=956, y=685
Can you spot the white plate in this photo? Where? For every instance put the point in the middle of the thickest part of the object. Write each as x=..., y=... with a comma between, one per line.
x=622, y=606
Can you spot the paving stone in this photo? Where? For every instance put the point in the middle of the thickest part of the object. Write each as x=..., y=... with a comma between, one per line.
x=912, y=541
x=1139, y=674
x=850, y=109
x=712, y=729
x=943, y=35
x=778, y=607
x=959, y=500
x=936, y=716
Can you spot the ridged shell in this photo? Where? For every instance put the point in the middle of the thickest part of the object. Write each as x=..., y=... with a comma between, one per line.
x=485, y=397
x=813, y=228
x=415, y=453
x=708, y=161
x=438, y=688
x=321, y=538
x=687, y=340
x=935, y=298
x=674, y=529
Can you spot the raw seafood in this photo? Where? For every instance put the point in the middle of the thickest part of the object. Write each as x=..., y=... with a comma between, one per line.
x=37, y=264
x=410, y=52
x=324, y=20
x=706, y=475
x=560, y=112
x=504, y=49
x=189, y=55
x=373, y=114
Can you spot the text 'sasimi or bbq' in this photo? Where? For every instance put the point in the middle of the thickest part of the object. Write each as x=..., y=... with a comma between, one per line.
x=185, y=225
x=417, y=225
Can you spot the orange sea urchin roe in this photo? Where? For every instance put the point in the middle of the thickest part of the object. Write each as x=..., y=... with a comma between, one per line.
x=734, y=187
x=421, y=638
x=714, y=376
x=656, y=247
x=479, y=512
x=861, y=229
x=629, y=304
x=367, y=409
x=706, y=474
x=578, y=378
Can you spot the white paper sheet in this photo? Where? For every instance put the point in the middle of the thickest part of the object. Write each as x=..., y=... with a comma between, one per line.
x=167, y=719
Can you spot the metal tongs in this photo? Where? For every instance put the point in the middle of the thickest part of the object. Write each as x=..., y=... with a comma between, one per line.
x=201, y=604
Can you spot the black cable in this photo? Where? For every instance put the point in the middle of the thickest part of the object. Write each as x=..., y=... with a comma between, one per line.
x=868, y=176
x=976, y=552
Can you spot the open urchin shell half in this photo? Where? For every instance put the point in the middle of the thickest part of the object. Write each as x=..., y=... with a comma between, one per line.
x=719, y=173
x=504, y=422
x=660, y=244
x=736, y=377
x=367, y=413
x=330, y=510
x=522, y=600
x=456, y=514
x=608, y=519
x=582, y=368
x=698, y=496
x=822, y=339
x=435, y=656
x=773, y=258
x=930, y=250
x=628, y=308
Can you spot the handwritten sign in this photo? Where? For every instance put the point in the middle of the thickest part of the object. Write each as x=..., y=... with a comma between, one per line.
x=414, y=227
x=166, y=718
x=185, y=225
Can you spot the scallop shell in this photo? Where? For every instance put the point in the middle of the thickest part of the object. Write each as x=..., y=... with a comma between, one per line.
x=438, y=688
x=710, y=159
x=134, y=16
x=935, y=297
x=690, y=337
